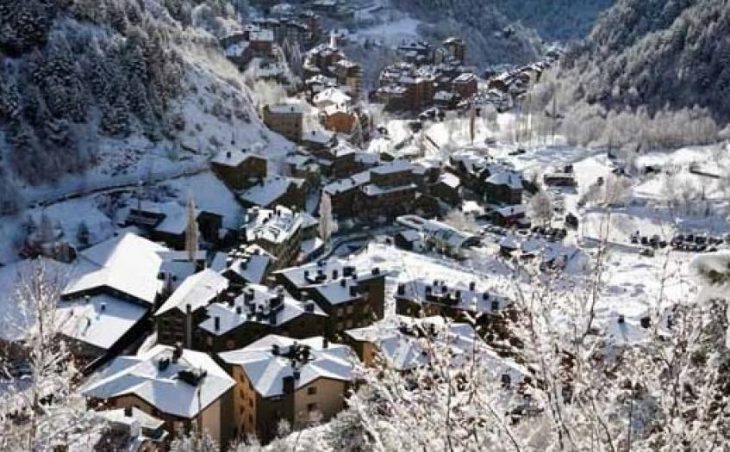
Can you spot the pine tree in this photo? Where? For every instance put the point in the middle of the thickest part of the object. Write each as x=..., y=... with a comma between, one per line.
x=115, y=118
x=191, y=231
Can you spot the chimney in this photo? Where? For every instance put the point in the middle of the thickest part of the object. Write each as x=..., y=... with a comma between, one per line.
x=275, y=349
x=335, y=274
x=343, y=282
x=353, y=291
x=128, y=411
x=309, y=307
x=103, y=307
x=621, y=319
x=177, y=352
x=646, y=322
x=217, y=321
x=495, y=305
x=188, y=326
x=472, y=286
x=228, y=154
x=288, y=384
x=325, y=342
x=238, y=310
x=401, y=289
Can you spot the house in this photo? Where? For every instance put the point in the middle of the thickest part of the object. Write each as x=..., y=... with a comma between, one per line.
x=256, y=313
x=403, y=343
x=386, y=190
x=112, y=289
x=318, y=139
x=504, y=187
x=440, y=236
x=509, y=216
x=278, y=231
x=167, y=222
x=350, y=298
x=455, y=300
x=283, y=378
x=560, y=179
x=239, y=169
x=130, y=428
x=273, y=191
x=181, y=387
x=409, y=240
x=465, y=85
x=285, y=119
x=447, y=188
x=456, y=47
x=261, y=42
x=248, y=264
x=339, y=119
x=331, y=97
x=177, y=317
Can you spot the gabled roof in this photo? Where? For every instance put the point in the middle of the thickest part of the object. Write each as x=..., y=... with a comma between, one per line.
x=163, y=387
x=266, y=370
x=197, y=291
x=128, y=264
x=100, y=320
x=258, y=304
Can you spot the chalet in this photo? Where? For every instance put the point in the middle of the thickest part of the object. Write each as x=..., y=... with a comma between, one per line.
x=177, y=317
x=339, y=119
x=256, y=313
x=331, y=97
x=456, y=47
x=350, y=298
x=386, y=190
x=279, y=378
x=509, y=216
x=113, y=288
x=285, y=119
x=273, y=191
x=278, y=231
x=183, y=388
x=130, y=428
x=503, y=187
x=420, y=297
x=465, y=85
x=398, y=343
x=440, y=236
x=248, y=265
x=318, y=140
x=239, y=169
x=448, y=189
x=167, y=222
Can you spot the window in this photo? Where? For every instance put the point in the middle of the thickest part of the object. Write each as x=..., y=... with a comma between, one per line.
x=240, y=392
x=312, y=390
x=311, y=407
x=350, y=309
x=349, y=324
x=250, y=419
x=250, y=402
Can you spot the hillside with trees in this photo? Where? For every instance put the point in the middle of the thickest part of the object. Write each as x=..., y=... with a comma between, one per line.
x=656, y=53
x=81, y=76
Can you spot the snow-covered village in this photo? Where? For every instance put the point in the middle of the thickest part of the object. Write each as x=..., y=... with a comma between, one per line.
x=367, y=225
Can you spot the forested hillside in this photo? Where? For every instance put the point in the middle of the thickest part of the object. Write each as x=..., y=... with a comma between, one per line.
x=658, y=53
x=83, y=81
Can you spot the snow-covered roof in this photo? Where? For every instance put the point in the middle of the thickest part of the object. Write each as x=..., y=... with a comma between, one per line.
x=318, y=136
x=271, y=225
x=467, y=298
x=261, y=35
x=99, y=320
x=509, y=178
x=231, y=157
x=196, y=291
x=342, y=185
x=257, y=304
x=144, y=420
x=331, y=96
x=129, y=264
x=164, y=382
x=403, y=341
x=325, y=272
x=267, y=368
x=268, y=191
x=443, y=232
x=450, y=180
x=508, y=211
x=250, y=263
x=282, y=109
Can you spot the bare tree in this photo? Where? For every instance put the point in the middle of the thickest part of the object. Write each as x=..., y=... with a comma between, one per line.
x=41, y=410
x=327, y=225
x=541, y=207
